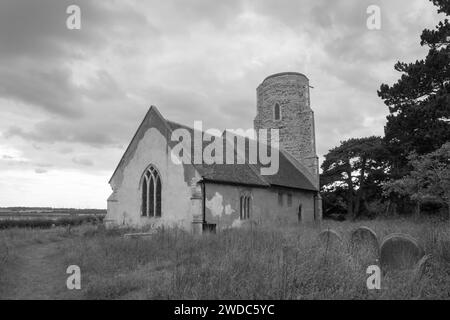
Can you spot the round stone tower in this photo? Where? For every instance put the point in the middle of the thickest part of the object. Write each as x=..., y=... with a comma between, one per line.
x=283, y=103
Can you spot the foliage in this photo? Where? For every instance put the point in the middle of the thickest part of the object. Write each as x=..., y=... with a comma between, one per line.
x=419, y=103
x=429, y=178
x=354, y=170
x=418, y=123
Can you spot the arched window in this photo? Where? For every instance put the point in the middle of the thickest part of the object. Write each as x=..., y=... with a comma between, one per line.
x=241, y=207
x=247, y=215
x=151, y=193
x=245, y=206
x=277, y=111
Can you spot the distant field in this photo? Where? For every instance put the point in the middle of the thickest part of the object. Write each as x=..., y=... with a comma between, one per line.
x=47, y=212
x=47, y=217
x=258, y=263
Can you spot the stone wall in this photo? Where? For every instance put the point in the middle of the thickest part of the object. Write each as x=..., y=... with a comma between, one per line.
x=296, y=126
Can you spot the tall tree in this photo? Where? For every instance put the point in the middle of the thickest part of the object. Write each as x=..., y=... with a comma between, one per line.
x=357, y=166
x=419, y=103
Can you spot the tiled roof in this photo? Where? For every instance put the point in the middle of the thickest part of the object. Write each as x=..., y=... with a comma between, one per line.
x=291, y=173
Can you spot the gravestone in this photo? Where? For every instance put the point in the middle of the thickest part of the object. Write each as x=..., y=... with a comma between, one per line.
x=364, y=244
x=330, y=239
x=400, y=251
x=423, y=267
x=139, y=235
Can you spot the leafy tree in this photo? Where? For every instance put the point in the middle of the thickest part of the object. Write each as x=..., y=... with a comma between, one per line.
x=357, y=166
x=418, y=122
x=430, y=178
x=419, y=103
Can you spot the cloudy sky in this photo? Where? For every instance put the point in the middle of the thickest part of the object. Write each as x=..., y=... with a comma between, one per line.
x=70, y=100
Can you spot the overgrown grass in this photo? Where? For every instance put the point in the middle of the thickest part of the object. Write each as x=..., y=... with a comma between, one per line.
x=257, y=263
x=13, y=240
x=5, y=256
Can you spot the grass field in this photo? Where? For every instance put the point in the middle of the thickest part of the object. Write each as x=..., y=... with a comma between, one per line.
x=257, y=263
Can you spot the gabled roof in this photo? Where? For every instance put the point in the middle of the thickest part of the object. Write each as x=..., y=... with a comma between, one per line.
x=291, y=173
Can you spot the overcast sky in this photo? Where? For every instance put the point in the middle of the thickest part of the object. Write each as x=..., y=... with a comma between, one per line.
x=70, y=100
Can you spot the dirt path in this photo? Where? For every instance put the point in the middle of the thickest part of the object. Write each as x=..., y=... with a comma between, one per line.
x=39, y=273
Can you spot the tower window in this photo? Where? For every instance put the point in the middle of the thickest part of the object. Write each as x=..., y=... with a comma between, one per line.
x=277, y=111
x=151, y=193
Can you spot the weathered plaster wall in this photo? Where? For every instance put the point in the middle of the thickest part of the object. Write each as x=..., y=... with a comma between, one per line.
x=223, y=206
x=124, y=205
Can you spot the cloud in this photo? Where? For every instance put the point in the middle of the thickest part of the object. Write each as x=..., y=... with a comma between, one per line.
x=65, y=150
x=40, y=57
x=83, y=161
x=50, y=132
x=37, y=30
x=40, y=171
x=51, y=90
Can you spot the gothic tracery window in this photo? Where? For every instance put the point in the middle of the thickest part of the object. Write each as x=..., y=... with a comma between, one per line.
x=151, y=193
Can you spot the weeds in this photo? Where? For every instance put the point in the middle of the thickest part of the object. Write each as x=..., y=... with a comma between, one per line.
x=257, y=263
x=247, y=263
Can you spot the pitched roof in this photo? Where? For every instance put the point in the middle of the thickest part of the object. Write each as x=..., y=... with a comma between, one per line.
x=291, y=173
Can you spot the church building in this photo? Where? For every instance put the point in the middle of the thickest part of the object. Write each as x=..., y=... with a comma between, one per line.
x=150, y=189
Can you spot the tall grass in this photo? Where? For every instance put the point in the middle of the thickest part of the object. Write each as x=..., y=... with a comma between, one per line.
x=256, y=263
x=5, y=255
x=12, y=243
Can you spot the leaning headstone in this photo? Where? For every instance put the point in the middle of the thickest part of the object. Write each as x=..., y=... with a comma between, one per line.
x=400, y=251
x=423, y=267
x=330, y=239
x=364, y=244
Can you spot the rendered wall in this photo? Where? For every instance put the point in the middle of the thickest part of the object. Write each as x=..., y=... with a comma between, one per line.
x=124, y=205
x=223, y=205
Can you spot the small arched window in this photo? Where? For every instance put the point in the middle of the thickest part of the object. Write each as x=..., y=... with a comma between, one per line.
x=151, y=193
x=245, y=206
x=277, y=111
